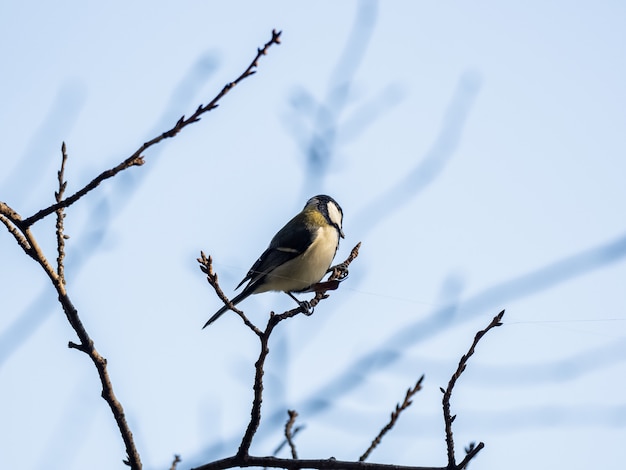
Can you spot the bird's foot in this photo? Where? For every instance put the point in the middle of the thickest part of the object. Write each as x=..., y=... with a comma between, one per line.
x=306, y=308
x=341, y=270
x=305, y=305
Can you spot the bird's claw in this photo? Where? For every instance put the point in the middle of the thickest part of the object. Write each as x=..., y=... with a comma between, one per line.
x=306, y=308
x=340, y=270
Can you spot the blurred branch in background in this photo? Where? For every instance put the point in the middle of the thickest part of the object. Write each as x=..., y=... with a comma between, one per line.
x=445, y=317
x=319, y=126
x=320, y=147
x=87, y=243
x=434, y=162
x=34, y=165
x=20, y=228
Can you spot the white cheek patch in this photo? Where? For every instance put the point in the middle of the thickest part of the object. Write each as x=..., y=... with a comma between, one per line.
x=334, y=214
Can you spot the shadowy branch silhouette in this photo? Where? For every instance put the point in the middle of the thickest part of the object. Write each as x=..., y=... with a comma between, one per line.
x=21, y=231
x=137, y=159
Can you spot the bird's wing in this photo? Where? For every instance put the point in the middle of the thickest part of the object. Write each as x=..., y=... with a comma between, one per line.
x=286, y=245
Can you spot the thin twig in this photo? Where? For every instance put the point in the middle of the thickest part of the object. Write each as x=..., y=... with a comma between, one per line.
x=58, y=195
x=394, y=417
x=447, y=393
x=294, y=433
x=19, y=237
x=86, y=345
x=470, y=453
x=288, y=434
x=137, y=159
x=206, y=266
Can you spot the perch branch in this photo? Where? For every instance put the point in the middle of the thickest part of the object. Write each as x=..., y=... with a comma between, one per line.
x=255, y=413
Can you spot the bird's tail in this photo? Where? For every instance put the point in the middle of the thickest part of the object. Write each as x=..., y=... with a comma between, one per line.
x=222, y=310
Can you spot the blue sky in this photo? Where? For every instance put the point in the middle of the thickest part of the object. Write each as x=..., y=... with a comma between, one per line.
x=477, y=150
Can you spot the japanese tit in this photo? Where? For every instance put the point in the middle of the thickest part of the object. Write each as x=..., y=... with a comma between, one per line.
x=298, y=256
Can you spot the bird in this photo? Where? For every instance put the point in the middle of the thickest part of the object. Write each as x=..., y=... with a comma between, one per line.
x=298, y=256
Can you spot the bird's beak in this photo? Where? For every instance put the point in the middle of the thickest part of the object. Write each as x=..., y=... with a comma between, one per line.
x=341, y=234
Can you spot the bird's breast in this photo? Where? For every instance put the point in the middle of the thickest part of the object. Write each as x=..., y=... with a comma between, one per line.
x=307, y=268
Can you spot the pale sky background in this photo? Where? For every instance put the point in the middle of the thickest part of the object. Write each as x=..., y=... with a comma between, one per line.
x=478, y=152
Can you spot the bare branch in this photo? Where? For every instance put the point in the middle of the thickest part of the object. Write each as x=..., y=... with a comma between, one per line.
x=447, y=393
x=27, y=242
x=175, y=462
x=470, y=452
x=137, y=159
x=255, y=413
x=394, y=417
x=58, y=195
x=320, y=464
x=13, y=230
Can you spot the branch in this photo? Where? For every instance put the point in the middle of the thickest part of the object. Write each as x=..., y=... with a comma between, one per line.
x=394, y=417
x=255, y=413
x=243, y=459
x=10, y=223
x=470, y=452
x=58, y=195
x=20, y=229
x=447, y=394
x=206, y=266
x=320, y=464
x=137, y=159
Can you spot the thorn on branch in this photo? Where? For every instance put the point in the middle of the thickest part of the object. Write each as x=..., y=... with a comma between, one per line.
x=80, y=347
